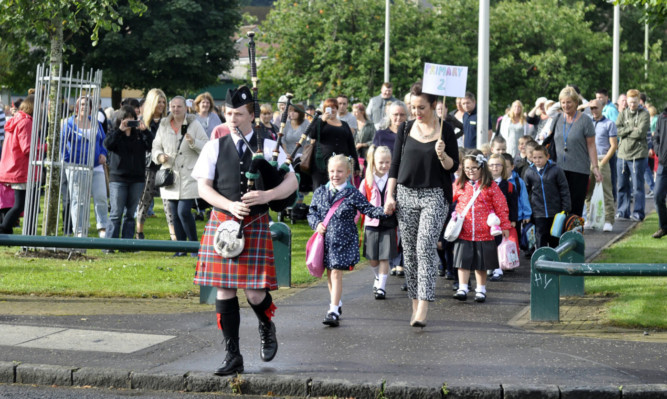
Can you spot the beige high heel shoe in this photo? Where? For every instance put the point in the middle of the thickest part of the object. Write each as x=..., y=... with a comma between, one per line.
x=415, y=304
x=419, y=319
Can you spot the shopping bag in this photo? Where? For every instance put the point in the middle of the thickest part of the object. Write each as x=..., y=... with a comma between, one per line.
x=508, y=255
x=596, y=210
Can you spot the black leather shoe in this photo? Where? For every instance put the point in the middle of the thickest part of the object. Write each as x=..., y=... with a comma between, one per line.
x=231, y=365
x=269, y=343
x=480, y=297
x=404, y=287
x=380, y=294
x=233, y=362
x=461, y=295
x=331, y=319
x=455, y=286
x=449, y=276
x=659, y=234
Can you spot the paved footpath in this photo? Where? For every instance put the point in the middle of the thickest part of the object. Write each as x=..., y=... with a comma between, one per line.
x=467, y=349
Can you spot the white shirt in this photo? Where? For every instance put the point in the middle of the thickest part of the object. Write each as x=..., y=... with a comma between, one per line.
x=381, y=181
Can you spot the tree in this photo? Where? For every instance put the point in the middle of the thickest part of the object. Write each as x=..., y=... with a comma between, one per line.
x=18, y=58
x=656, y=10
x=538, y=56
x=176, y=45
x=53, y=18
x=328, y=48
x=322, y=48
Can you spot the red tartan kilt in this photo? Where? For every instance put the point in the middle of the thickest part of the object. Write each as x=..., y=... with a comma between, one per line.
x=253, y=269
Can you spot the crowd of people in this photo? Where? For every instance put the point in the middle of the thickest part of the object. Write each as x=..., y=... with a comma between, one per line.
x=409, y=166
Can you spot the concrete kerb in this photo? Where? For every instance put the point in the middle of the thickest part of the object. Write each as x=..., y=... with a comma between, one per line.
x=44, y=374
x=8, y=372
x=288, y=386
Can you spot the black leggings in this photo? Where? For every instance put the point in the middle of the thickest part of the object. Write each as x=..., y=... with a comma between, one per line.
x=14, y=213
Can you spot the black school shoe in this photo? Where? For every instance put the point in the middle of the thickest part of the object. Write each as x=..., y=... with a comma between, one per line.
x=461, y=295
x=331, y=319
x=380, y=294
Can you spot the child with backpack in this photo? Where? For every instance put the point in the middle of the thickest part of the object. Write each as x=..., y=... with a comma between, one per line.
x=549, y=195
x=379, y=235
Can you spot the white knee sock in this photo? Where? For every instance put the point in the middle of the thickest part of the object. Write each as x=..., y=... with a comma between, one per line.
x=376, y=270
x=481, y=288
x=463, y=287
x=383, y=281
x=498, y=272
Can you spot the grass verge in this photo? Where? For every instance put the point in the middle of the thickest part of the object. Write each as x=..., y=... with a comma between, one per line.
x=134, y=275
x=638, y=302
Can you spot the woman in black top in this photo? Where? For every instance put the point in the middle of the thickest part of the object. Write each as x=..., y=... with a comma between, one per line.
x=425, y=155
x=127, y=147
x=335, y=137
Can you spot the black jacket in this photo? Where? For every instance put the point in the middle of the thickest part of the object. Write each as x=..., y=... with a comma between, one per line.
x=548, y=189
x=512, y=196
x=127, y=155
x=660, y=138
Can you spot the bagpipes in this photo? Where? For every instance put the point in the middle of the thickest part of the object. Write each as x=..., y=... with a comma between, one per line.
x=271, y=175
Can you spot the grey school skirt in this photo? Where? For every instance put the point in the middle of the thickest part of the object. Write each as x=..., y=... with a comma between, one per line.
x=475, y=255
x=380, y=245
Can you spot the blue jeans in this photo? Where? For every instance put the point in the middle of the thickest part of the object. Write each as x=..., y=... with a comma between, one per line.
x=612, y=164
x=124, y=200
x=184, y=222
x=660, y=196
x=648, y=175
x=631, y=180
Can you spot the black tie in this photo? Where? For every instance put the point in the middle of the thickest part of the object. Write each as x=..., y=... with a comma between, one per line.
x=239, y=148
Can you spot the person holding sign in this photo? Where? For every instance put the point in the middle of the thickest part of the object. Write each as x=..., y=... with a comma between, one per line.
x=424, y=157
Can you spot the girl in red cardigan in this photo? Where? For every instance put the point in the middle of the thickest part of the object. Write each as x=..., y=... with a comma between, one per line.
x=475, y=249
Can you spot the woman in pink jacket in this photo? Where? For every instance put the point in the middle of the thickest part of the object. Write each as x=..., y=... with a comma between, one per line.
x=16, y=160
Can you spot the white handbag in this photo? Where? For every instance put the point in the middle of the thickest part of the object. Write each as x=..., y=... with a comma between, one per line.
x=455, y=224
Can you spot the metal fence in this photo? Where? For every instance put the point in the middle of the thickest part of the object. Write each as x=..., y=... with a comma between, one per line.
x=65, y=135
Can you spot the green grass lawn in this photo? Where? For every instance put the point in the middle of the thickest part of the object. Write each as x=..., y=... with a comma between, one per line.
x=140, y=274
x=637, y=301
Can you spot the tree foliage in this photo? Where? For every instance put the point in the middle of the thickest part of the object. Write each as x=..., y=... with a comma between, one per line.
x=320, y=48
x=538, y=56
x=176, y=45
x=656, y=10
x=53, y=19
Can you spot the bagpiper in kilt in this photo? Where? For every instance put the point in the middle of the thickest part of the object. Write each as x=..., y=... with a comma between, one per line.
x=222, y=183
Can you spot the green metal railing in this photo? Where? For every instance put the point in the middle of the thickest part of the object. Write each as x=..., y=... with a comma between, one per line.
x=280, y=234
x=561, y=270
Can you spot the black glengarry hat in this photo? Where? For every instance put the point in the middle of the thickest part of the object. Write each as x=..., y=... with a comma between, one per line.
x=238, y=97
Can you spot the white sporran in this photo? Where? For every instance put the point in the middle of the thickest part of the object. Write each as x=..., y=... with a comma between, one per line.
x=225, y=241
